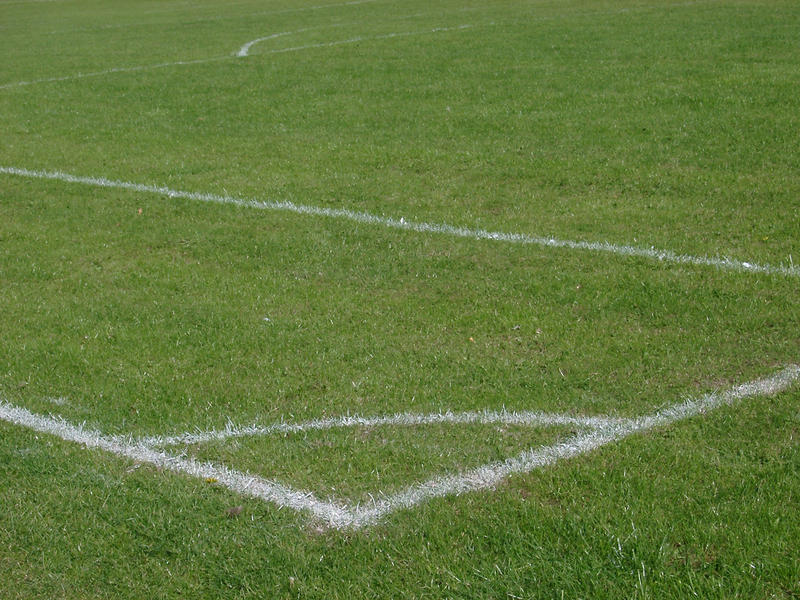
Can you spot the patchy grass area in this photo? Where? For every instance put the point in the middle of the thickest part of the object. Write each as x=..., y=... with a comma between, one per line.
x=659, y=124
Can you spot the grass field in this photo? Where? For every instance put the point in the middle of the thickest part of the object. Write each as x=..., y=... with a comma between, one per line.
x=384, y=299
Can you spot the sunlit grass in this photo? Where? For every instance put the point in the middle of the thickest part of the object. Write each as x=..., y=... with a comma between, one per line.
x=664, y=124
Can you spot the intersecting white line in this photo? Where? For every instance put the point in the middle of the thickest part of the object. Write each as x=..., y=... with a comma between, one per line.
x=339, y=514
x=651, y=253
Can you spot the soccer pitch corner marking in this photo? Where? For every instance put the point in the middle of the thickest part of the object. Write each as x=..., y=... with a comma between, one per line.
x=650, y=253
x=595, y=433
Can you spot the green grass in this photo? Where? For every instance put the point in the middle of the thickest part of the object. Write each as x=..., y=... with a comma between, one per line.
x=665, y=124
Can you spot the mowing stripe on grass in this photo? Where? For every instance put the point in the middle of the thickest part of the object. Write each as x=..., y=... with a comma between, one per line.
x=656, y=254
x=339, y=515
x=485, y=417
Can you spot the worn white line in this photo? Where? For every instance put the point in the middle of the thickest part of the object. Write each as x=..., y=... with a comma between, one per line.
x=340, y=515
x=234, y=56
x=115, y=70
x=488, y=476
x=651, y=253
x=246, y=48
x=487, y=417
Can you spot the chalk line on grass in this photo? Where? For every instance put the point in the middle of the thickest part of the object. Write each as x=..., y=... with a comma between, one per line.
x=358, y=39
x=196, y=20
x=246, y=48
x=651, y=253
x=339, y=514
x=487, y=417
x=114, y=70
x=247, y=485
x=238, y=54
x=488, y=476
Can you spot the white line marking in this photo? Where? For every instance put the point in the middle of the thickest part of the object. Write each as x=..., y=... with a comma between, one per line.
x=656, y=254
x=339, y=515
x=115, y=70
x=237, y=55
x=270, y=491
x=487, y=417
x=246, y=48
x=488, y=476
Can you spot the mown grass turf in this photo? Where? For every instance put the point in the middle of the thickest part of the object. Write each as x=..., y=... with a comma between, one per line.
x=665, y=124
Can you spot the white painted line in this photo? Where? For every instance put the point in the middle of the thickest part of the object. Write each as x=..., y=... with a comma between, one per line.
x=339, y=515
x=237, y=55
x=196, y=20
x=484, y=477
x=502, y=417
x=115, y=70
x=247, y=485
x=358, y=39
x=656, y=254
x=246, y=48
x=488, y=476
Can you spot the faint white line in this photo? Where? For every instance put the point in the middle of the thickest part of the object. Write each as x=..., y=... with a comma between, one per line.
x=115, y=70
x=502, y=417
x=246, y=48
x=666, y=256
x=237, y=55
x=355, y=40
x=339, y=515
